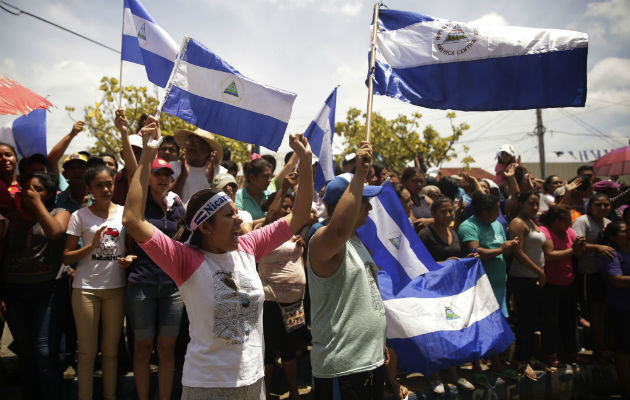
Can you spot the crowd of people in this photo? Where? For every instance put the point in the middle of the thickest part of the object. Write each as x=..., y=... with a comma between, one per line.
x=175, y=251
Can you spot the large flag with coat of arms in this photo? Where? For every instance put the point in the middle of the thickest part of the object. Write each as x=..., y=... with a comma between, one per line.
x=438, y=315
x=439, y=63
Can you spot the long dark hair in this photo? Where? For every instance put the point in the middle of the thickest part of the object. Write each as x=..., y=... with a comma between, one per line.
x=593, y=199
x=96, y=169
x=610, y=231
x=408, y=173
x=49, y=184
x=483, y=202
x=524, y=196
x=437, y=203
x=449, y=187
x=11, y=147
x=255, y=167
x=554, y=213
x=196, y=202
x=548, y=182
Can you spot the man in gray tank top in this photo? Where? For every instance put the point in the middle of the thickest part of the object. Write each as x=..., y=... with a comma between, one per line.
x=347, y=313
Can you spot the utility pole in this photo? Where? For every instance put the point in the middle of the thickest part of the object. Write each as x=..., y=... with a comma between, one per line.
x=540, y=131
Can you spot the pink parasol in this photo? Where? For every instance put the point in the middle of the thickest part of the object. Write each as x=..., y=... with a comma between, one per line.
x=15, y=99
x=615, y=162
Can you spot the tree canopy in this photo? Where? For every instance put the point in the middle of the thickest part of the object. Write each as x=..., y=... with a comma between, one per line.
x=99, y=118
x=398, y=141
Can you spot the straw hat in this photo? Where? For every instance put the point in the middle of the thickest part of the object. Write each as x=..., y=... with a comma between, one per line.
x=182, y=134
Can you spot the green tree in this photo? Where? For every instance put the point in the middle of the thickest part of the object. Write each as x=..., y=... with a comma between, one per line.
x=398, y=141
x=99, y=119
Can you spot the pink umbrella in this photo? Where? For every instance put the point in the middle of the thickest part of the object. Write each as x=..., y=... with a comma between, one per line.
x=615, y=162
x=15, y=99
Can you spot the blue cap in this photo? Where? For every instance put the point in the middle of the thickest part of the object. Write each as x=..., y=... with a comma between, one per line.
x=336, y=188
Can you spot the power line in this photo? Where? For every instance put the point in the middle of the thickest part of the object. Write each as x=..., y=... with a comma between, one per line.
x=588, y=126
x=492, y=137
x=584, y=134
x=19, y=11
x=614, y=103
x=486, y=127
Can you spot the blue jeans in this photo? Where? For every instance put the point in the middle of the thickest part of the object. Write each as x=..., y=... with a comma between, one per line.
x=34, y=320
x=149, y=306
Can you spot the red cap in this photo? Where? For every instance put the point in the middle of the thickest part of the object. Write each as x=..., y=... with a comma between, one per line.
x=160, y=163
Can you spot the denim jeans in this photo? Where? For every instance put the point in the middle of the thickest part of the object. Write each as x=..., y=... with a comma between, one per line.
x=152, y=306
x=34, y=320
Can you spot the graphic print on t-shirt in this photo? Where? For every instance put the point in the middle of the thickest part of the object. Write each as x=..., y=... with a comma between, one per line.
x=235, y=315
x=377, y=301
x=108, y=248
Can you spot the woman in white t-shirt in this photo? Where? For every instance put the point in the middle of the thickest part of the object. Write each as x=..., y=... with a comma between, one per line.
x=215, y=271
x=98, y=286
x=547, y=198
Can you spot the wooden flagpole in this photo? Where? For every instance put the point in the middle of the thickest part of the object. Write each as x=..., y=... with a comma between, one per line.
x=368, y=119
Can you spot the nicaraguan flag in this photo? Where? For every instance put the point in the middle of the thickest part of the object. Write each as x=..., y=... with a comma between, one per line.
x=26, y=134
x=444, y=318
x=438, y=315
x=145, y=42
x=437, y=63
x=320, y=136
x=209, y=93
x=394, y=244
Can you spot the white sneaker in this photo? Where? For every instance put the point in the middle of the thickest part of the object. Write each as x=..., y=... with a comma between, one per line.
x=464, y=384
x=437, y=386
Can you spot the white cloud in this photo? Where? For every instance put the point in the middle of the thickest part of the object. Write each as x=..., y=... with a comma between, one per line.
x=288, y=4
x=609, y=85
x=62, y=14
x=608, y=9
x=492, y=18
x=7, y=66
x=604, y=18
x=610, y=73
x=343, y=7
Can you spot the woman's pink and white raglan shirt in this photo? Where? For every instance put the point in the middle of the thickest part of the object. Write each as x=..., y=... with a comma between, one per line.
x=224, y=297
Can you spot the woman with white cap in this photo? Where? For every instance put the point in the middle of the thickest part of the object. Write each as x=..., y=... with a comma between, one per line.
x=216, y=273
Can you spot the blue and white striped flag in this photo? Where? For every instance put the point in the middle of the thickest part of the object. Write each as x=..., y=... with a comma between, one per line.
x=210, y=94
x=394, y=243
x=438, y=315
x=438, y=63
x=27, y=134
x=444, y=318
x=320, y=136
x=144, y=42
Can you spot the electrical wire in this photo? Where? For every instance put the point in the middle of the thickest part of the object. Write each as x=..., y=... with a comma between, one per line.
x=20, y=11
x=588, y=126
x=583, y=134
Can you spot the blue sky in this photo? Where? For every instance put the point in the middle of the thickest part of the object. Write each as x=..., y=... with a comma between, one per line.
x=308, y=47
